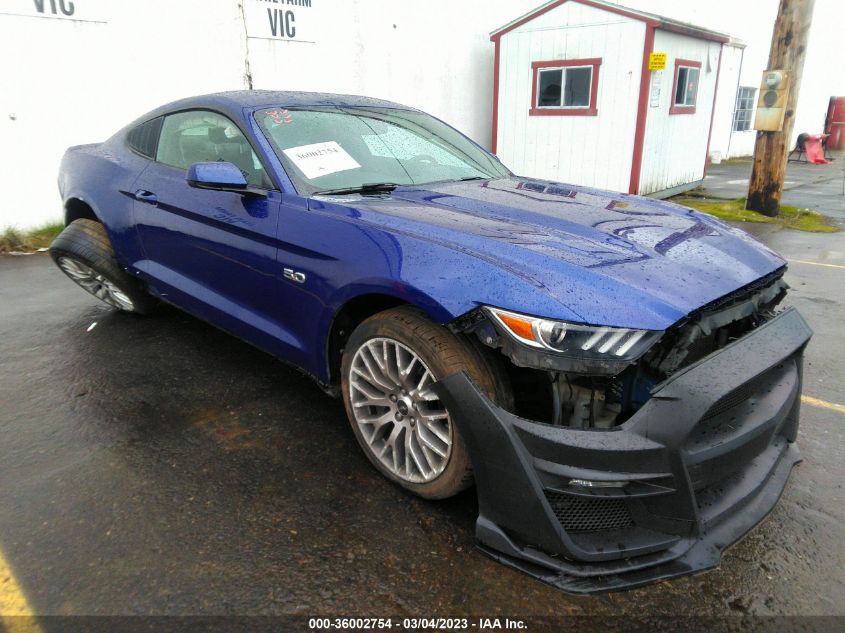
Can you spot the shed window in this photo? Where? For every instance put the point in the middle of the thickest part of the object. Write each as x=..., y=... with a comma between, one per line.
x=687, y=86
x=568, y=87
x=744, y=108
x=565, y=87
x=685, y=93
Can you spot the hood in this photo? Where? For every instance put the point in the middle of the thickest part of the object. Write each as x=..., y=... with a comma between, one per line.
x=610, y=258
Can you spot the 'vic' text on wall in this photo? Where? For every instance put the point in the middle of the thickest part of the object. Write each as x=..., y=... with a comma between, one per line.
x=55, y=6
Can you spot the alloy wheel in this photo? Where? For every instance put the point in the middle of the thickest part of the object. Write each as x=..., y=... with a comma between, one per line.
x=95, y=283
x=404, y=424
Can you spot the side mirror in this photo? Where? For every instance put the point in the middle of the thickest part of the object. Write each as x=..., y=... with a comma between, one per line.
x=220, y=176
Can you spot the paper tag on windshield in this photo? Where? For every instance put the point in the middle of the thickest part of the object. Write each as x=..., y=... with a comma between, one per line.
x=321, y=159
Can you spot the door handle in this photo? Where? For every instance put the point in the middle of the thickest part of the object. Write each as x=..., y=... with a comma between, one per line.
x=142, y=195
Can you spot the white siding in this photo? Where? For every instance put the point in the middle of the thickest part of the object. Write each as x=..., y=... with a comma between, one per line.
x=720, y=139
x=724, y=140
x=587, y=150
x=435, y=56
x=676, y=144
x=742, y=143
x=64, y=82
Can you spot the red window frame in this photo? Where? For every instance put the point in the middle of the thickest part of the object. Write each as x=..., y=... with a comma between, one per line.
x=590, y=110
x=684, y=109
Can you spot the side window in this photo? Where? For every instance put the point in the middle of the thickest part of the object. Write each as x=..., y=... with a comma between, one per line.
x=744, y=108
x=201, y=136
x=143, y=139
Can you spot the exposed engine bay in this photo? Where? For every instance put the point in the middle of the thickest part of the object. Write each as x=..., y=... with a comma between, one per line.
x=588, y=395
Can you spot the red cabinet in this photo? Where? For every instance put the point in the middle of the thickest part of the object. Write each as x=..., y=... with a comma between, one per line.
x=834, y=124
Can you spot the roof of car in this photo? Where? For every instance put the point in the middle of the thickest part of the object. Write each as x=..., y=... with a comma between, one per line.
x=237, y=99
x=233, y=102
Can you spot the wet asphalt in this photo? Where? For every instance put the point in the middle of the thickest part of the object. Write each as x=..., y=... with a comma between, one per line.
x=158, y=466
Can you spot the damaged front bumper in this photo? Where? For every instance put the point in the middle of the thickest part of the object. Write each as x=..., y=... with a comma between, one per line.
x=662, y=495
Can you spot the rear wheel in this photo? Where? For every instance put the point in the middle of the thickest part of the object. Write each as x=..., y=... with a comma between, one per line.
x=389, y=364
x=84, y=253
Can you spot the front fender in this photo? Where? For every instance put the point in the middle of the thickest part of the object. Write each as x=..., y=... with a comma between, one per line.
x=443, y=283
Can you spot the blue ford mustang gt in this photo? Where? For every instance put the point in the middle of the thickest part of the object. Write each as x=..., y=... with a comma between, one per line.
x=614, y=373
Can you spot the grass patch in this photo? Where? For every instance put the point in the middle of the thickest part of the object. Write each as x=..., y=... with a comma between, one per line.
x=13, y=240
x=735, y=211
x=738, y=160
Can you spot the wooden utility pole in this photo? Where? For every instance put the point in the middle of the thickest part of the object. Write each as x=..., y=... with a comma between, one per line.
x=789, y=47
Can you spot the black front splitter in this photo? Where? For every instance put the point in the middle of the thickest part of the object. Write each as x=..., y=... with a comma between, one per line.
x=697, y=467
x=703, y=554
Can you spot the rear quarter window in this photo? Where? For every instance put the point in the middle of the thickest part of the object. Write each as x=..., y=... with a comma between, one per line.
x=143, y=139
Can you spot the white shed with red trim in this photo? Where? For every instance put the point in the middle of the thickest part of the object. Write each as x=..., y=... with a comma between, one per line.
x=575, y=100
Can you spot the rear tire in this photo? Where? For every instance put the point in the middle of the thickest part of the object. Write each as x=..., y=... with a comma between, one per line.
x=407, y=433
x=84, y=253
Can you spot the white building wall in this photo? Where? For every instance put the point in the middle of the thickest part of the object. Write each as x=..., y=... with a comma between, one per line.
x=65, y=82
x=742, y=143
x=725, y=140
x=720, y=138
x=586, y=150
x=752, y=22
x=675, y=144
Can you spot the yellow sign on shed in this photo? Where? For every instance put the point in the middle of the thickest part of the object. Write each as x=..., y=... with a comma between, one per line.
x=657, y=61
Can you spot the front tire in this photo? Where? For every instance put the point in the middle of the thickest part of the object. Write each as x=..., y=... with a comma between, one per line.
x=389, y=363
x=84, y=253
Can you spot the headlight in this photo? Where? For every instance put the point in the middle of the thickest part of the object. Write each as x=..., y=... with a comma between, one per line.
x=572, y=339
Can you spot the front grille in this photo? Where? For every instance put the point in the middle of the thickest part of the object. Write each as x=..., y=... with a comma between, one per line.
x=739, y=395
x=735, y=421
x=722, y=421
x=588, y=514
x=733, y=399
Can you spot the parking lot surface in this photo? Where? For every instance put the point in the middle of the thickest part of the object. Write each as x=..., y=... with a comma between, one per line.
x=159, y=466
x=807, y=186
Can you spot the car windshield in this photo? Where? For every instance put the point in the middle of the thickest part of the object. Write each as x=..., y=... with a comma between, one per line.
x=330, y=148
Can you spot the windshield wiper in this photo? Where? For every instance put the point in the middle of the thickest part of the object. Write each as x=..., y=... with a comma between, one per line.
x=365, y=189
